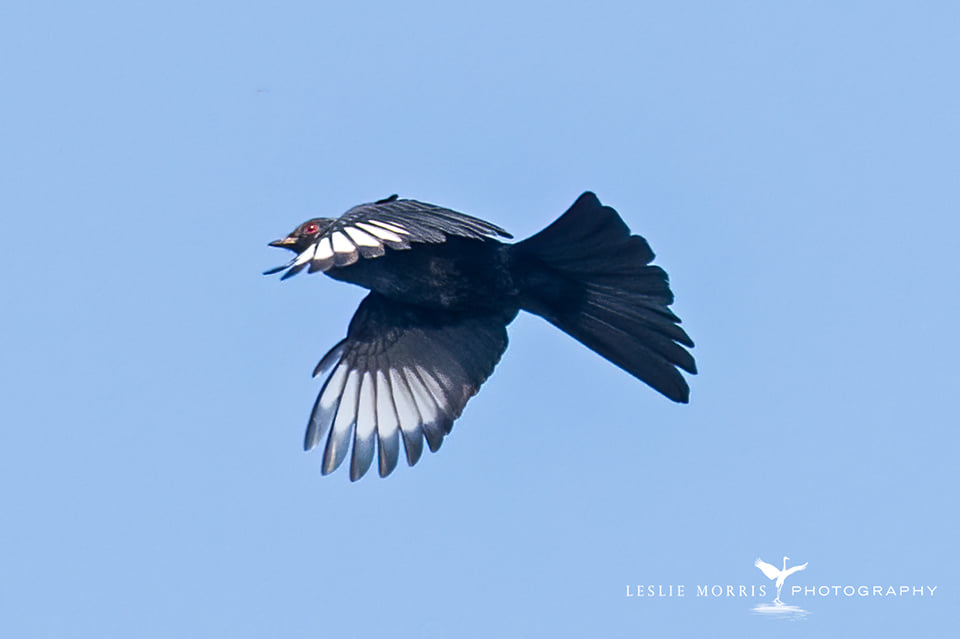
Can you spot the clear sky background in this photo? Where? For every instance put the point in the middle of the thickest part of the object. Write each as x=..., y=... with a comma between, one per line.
x=794, y=165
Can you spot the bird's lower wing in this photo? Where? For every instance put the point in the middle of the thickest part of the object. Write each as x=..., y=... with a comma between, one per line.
x=402, y=372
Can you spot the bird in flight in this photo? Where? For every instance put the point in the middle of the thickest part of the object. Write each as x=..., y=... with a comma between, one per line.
x=772, y=572
x=443, y=289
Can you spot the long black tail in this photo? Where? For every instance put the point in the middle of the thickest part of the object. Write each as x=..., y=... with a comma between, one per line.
x=588, y=276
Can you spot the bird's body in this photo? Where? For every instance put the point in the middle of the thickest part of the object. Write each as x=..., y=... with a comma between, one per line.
x=444, y=288
x=460, y=274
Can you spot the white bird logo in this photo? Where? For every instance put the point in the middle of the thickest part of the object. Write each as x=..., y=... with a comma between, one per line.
x=780, y=575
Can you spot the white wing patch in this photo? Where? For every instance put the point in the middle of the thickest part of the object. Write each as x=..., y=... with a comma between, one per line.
x=345, y=246
x=391, y=227
x=382, y=233
x=408, y=416
x=425, y=402
x=434, y=387
x=360, y=238
x=366, y=428
x=339, y=441
x=344, y=252
x=324, y=249
x=388, y=426
x=340, y=243
x=306, y=256
x=325, y=408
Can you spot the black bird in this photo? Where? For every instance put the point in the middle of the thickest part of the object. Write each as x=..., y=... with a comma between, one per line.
x=443, y=289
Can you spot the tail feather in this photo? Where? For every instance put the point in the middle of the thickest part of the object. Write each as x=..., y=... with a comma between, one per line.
x=628, y=255
x=652, y=338
x=656, y=317
x=629, y=353
x=589, y=277
x=586, y=232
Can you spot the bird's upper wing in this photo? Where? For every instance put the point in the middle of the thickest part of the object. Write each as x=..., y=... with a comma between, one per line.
x=795, y=569
x=368, y=230
x=402, y=372
x=770, y=571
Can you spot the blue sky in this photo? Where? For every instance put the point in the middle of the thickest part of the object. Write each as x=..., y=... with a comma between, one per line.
x=794, y=166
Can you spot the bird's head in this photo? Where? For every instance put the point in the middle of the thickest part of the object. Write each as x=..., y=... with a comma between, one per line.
x=304, y=235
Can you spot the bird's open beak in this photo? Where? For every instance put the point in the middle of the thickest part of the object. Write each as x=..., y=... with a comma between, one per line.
x=289, y=243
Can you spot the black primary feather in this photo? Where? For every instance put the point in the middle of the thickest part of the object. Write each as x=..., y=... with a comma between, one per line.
x=443, y=290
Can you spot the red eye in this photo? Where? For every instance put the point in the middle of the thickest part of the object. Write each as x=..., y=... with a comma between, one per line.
x=310, y=229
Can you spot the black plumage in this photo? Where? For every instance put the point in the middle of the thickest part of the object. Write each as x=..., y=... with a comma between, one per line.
x=443, y=289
